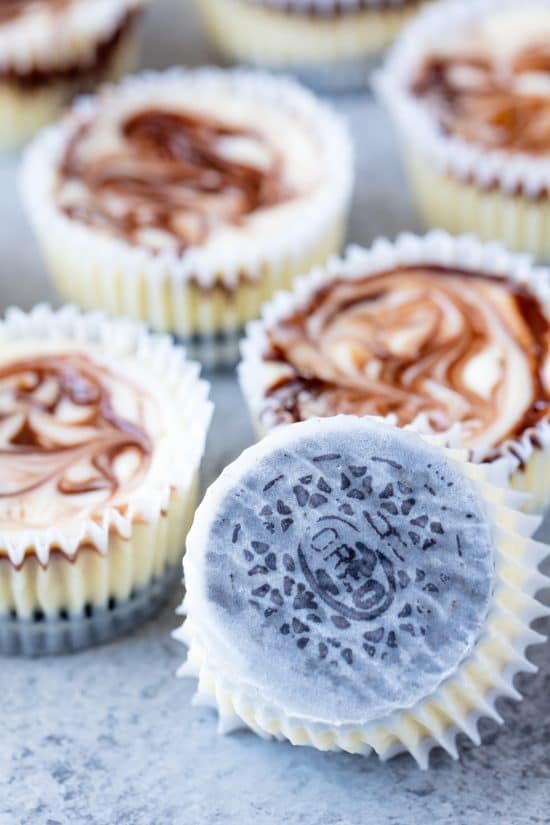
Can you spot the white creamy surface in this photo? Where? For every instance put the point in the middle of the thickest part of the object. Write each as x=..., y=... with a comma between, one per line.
x=42, y=37
x=141, y=396
x=452, y=354
x=500, y=36
x=280, y=130
x=503, y=34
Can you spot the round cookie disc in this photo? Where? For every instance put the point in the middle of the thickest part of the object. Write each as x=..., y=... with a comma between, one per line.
x=340, y=570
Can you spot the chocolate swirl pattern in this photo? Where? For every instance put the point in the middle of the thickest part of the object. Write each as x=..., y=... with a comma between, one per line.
x=485, y=101
x=63, y=445
x=174, y=178
x=453, y=346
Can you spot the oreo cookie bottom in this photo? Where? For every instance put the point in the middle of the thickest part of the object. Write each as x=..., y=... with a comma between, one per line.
x=353, y=586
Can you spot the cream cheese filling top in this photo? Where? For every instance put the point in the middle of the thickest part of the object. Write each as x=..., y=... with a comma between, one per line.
x=456, y=347
x=77, y=432
x=489, y=83
x=204, y=170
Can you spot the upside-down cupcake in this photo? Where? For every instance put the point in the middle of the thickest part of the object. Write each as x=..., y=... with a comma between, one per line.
x=52, y=49
x=329, y=43
x=449, y=335
x=102, y=429
x=468, y=87
x=185, y=198
x=351, y=586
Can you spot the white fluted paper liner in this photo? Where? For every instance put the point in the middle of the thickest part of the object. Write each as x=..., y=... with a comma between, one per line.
x=41, y=38
x=200, y=293
x=513, y=172
x=143, y=506
x=468, y=693
x=530, y=452
x=100, y=624
x=329, y=6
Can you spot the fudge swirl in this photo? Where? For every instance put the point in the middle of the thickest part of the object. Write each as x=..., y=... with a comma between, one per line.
x=488, y=102
x=169, y=178
x=453, y=346
x=63, y=444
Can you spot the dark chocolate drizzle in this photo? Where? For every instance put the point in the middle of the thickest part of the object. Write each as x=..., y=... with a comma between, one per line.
x=317, y=385
x=41, y=447
x=172, y=175
x=473, y=98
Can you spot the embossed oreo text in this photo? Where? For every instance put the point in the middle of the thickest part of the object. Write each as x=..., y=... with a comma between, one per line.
x=361, y=557
x=347, y=570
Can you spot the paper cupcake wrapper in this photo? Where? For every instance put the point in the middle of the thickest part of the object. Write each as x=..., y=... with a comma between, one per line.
x=46, y=636
x=69, y=586
x=461, y=700
x=331, y=46
x=509, y=172
x=202, y=292
x=525, y=453
x=26, y=41
x=89, y=563
x=150, y=499
x=459, y=206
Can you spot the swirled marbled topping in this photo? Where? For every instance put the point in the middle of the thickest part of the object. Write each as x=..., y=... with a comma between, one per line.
x=455, y=346
x=168, y=179
x=73, y=437
x=490, y=85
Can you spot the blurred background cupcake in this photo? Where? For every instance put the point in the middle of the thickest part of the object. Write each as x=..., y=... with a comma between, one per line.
x=468, y=87
x=329, y=43
x=52, y=49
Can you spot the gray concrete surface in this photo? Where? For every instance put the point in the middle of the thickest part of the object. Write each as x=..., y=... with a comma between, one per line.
x=109, y=736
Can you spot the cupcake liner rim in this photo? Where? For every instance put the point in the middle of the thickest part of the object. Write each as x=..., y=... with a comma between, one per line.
x=150, y=498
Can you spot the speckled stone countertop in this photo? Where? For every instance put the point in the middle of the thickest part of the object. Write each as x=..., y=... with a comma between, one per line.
x=110, y=737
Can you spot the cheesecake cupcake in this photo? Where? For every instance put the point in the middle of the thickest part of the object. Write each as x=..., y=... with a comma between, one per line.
x=350, y=586
x=52, y=49
x=331, y=44
x=468, y=87
x=184, y=198
x=102, y=429
x=449, y=335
